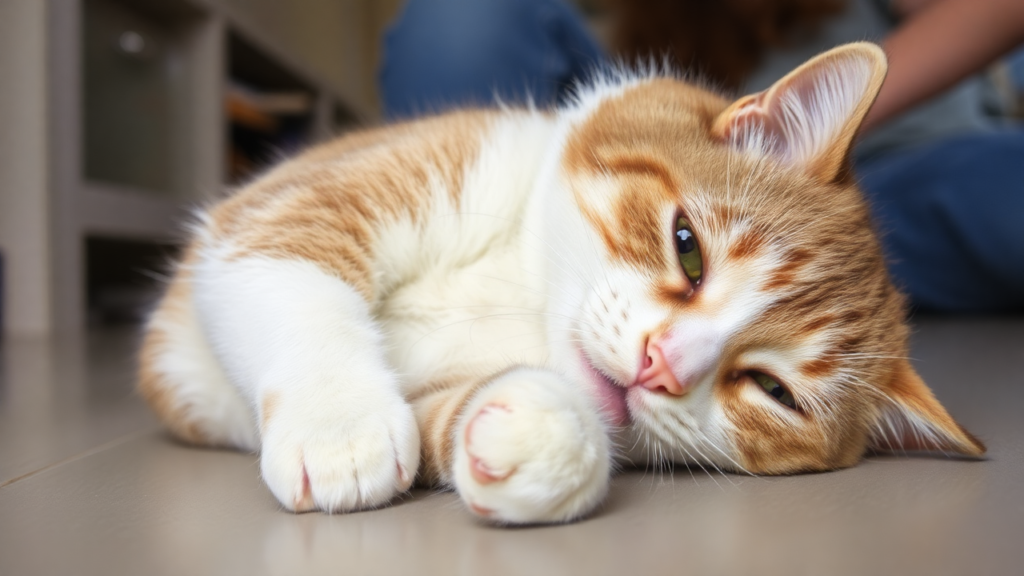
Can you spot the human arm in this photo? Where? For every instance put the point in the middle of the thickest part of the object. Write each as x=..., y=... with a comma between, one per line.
x=942, y=43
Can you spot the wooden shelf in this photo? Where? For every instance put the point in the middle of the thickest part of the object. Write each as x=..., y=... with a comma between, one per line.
x=141, y=135
x=121, y=211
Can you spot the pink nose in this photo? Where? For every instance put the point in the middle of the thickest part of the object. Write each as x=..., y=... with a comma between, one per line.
x=655, y=373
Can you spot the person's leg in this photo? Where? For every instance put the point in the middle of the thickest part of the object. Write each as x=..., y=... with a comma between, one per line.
x=952, y=218
x=439, y=54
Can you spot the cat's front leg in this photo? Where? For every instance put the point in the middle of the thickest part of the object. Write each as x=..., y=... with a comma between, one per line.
x=303, y=348
x=530, y=447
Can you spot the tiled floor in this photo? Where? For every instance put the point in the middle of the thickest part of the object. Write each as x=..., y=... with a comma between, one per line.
x=89, y=485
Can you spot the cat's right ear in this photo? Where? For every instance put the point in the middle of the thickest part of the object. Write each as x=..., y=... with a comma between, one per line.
x=911, y=419
x=809, y=118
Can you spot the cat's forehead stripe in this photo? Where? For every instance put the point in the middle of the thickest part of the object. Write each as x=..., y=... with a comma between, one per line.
x=749, y=243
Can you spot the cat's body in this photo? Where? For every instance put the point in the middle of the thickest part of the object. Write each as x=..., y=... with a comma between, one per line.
x=494, y=300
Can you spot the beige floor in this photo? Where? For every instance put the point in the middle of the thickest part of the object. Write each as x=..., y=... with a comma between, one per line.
x=89, y=485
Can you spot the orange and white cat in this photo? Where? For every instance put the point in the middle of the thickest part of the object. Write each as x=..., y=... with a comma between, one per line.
x=509, y=302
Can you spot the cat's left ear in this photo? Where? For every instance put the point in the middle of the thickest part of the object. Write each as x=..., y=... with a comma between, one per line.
x=911, y=419
x=809, y=118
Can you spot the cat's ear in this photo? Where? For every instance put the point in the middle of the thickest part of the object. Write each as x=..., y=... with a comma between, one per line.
x=809, y=118
x=913, y=420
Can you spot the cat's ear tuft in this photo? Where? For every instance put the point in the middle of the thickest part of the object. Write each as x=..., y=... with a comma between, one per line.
x=912, y=420
x=809, y=118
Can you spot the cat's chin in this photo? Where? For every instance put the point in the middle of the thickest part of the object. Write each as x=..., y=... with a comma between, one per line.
x=610, y=397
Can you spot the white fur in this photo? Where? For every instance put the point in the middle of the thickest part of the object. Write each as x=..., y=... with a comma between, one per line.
x=189, y=366
x=470, y=295
x=811, y=124
x=545, y=437
x=288, y=331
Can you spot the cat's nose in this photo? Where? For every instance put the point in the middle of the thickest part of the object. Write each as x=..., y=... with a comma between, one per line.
x=655, y=373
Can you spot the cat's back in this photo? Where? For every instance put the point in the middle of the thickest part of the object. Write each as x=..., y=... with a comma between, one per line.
x=387, y=166
x=432, y=220
x=378, y=184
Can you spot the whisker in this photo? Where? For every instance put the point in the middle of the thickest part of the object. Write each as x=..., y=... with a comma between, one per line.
x=673, y=441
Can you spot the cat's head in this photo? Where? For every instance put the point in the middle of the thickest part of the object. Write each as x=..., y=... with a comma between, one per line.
x=718, y=281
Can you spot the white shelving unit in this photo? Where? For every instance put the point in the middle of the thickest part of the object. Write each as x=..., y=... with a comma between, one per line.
x=138, y=132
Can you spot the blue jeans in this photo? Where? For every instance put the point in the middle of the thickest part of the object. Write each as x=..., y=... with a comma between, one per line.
x=951, y=213
x=441, y=54
x=952, y=218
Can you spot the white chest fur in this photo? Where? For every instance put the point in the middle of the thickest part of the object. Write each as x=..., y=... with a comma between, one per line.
x=470, y=299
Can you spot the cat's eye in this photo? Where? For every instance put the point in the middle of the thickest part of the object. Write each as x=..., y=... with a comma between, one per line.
x=689, y=251
x=774, y=389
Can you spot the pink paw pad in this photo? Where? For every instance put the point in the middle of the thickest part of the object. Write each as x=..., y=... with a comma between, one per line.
x=304, y=501
x=480, y=510
x=477, y=468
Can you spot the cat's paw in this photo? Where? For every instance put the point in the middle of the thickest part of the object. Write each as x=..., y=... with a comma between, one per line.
x=337, y=460
x=530, y=448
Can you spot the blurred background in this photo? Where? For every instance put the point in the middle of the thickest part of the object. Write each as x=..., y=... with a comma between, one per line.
x=119, y=117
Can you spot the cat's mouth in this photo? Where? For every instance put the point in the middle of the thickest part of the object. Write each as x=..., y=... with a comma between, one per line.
x=611, y=397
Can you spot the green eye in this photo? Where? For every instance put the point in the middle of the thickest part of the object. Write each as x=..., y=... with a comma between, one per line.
x=775, y=390
x=689, y=251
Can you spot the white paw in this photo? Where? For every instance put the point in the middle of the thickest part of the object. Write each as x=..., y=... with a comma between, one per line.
x=340, y=460
x=530, y=448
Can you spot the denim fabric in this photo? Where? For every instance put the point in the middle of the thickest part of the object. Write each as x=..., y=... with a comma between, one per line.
x=952, y=215
x=441, y=54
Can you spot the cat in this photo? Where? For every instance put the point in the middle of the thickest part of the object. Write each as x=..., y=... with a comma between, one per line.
x=515, y=302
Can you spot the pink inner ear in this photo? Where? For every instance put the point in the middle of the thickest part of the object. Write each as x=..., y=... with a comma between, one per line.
x=751, y=126
x=913, y=419
x=808, y=119
x=906, y=441
x=900, y=435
